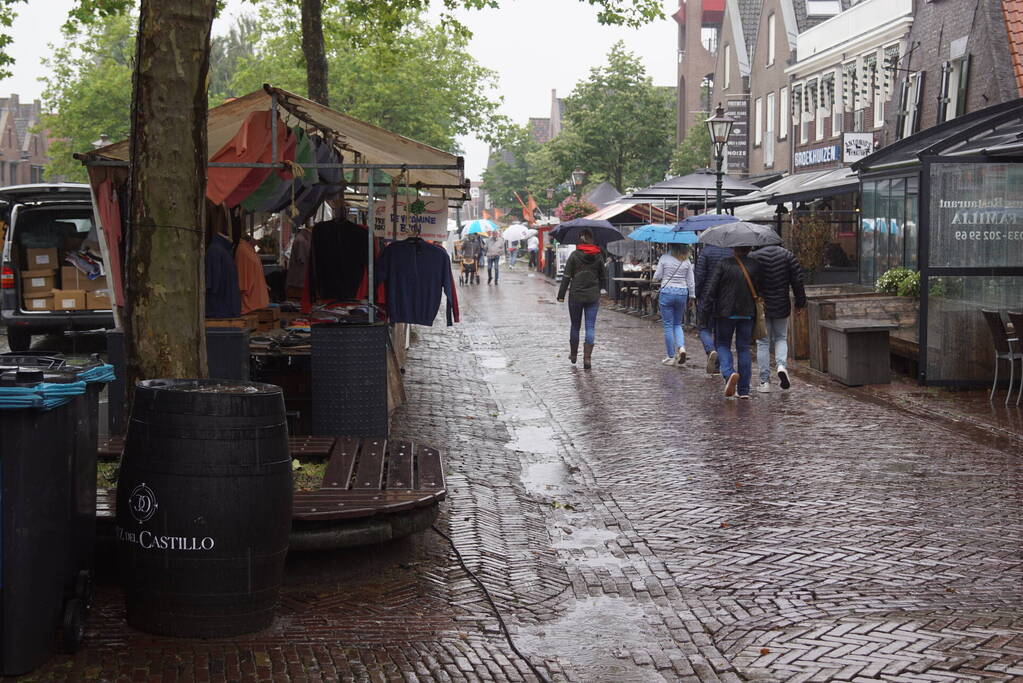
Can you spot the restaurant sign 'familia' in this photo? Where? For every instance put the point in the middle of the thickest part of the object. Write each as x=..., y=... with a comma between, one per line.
x=997, y=211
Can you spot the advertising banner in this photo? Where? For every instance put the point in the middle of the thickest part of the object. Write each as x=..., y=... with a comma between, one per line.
x=427, y=215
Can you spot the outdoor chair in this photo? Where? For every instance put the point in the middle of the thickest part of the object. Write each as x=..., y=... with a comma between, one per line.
x=1005, y=349
x=1016, y=318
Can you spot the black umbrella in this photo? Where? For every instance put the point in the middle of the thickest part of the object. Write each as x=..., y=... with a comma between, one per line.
x=740, y=234
x=603, y=231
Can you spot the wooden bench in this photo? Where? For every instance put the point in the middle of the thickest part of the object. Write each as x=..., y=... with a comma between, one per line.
x=365, y=477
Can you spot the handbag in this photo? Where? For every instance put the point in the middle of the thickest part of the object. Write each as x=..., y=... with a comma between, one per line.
x=759, y=323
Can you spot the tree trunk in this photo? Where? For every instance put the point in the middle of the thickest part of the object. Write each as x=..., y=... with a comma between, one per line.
x=314, y=51
x=165, y=288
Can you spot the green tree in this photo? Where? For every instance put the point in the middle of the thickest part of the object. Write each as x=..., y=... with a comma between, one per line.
x=88, y=92
x=624, y=125
x=508, y=171
x=695, y=151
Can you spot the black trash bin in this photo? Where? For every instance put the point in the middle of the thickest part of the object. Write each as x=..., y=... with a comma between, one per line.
x=37, y=428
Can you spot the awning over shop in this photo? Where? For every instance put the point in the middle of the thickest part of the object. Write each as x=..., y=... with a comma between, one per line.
x=995, y=131
x=621, y=212
x=374, y=145
x=826, y=184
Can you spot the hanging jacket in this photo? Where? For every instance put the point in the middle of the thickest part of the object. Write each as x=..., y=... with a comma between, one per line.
x=255, y=295
x=779, y=270
x=727, y=294
x=222, y=297
x=415, y=273
x=583, y=278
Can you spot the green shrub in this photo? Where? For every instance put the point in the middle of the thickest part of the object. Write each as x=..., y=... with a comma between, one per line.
x=889, y=282
x=910, y=285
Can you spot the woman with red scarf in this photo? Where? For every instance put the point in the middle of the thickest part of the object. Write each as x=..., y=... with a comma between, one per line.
x=583, y=279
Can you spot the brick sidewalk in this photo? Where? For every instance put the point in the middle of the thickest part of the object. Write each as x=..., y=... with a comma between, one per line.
x=633, y=526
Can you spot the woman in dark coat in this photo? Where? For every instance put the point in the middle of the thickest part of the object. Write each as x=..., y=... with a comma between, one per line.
x=730, y=303
x=583, y=278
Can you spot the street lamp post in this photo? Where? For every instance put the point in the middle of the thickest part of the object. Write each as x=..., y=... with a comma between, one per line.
x=720, y=128
x=578, y=178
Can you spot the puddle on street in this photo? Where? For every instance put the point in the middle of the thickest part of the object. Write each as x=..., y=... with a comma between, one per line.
x=545, y=478
x=593, y=638
x=586, y=538
x=523, y=414
x=533, y=440
x=494, y=362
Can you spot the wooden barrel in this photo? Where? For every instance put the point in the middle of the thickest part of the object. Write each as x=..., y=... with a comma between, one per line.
x=204, y=507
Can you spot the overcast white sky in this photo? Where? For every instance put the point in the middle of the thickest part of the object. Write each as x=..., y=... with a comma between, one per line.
x=534, y=45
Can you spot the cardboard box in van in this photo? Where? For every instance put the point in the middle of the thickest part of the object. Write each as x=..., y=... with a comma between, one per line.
x=72, y=278
x=37, y=259
x=42, y=280
x=42, y=302
x=98, y=300
x=68, y=300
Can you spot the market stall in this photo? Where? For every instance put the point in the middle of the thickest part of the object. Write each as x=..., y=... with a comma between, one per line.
x=351, y=215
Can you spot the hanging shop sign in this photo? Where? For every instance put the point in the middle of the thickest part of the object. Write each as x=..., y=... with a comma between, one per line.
x=425, y=216
x=737, y=147
x=856, y=146
x=818, y=155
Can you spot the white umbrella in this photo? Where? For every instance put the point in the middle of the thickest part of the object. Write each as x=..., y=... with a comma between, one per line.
x=531, y=233
x=516, y=232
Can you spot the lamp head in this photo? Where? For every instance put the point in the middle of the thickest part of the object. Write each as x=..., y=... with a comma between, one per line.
x=720, y=126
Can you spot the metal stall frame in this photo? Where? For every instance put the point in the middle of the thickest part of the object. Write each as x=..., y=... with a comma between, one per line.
x=334, y=136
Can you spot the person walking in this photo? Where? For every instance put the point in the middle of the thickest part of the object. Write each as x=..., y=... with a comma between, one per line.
x=729, y=300
x=779, y=272
x=495, y=250
x=513, y=253
x=533, y=246
x=706, y=263
x=583, y=279
x=675, y=273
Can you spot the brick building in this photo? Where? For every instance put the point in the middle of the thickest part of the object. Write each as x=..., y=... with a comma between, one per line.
x=699, y=31
x=23, y=152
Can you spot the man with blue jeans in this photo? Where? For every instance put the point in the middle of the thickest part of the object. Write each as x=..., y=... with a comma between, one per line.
x=707, y=262
x=495, y=250
x=729, y=300
x=780, y=271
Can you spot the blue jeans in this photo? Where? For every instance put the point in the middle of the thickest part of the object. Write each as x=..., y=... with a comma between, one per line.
x=742, y=330
x=493, y=268
x=778, y=334
x=673, y=306
x=575, y=317
x=512, y=255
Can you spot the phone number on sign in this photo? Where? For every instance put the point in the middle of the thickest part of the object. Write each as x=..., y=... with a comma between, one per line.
x=990, y=235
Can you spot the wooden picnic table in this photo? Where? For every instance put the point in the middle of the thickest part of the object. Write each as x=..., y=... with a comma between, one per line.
x=365, y=477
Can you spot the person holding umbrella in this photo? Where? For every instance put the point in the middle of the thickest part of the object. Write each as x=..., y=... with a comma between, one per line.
x=583, y=279
x=678, y=289
x=731, y=299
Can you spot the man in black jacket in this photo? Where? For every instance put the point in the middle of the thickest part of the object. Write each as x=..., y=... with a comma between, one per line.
x=779, y=272
x=729, y=302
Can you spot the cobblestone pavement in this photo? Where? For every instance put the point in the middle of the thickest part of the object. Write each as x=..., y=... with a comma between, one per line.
x=634, y=526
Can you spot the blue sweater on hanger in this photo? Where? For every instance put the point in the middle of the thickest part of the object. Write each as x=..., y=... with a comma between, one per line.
x=415, y=274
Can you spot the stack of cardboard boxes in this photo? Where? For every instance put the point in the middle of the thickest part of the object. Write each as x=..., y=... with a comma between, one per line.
x=49, y=286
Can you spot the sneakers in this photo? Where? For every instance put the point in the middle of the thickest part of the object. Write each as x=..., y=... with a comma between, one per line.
x=746, y=396
x=783, y=377
x=764, y=388
x=680, y=356
x=668, y=361
x=712, y=363
x=730, y=384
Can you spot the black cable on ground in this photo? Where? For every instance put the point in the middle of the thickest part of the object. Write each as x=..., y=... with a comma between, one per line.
x=493, y=606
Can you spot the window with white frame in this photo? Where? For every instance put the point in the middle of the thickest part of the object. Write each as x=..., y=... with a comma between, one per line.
x=783, y=116
x=849, y=86
x=770, y=39
x=769, y=130
x=727, y=55
x=808, y=110
x=955, y=75
x=837, y=107
x=758, y=113
x=824, y=104
x=910, y=98
x=885, y=83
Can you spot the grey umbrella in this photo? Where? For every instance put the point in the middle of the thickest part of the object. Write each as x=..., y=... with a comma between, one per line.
x=740, y=234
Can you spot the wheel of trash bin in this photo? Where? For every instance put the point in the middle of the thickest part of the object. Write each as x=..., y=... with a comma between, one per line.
x=204, y=502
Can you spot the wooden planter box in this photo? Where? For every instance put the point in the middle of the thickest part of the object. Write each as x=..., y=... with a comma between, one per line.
x=901, y=311
x=799, y=322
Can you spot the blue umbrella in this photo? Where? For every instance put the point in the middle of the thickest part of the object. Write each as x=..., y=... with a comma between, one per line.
x=480, y=225
x=603, y=231
x=707, y=220
x=662, y=234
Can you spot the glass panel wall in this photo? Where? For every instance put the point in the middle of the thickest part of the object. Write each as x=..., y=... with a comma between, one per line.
x=959, y=344
x=889, y=230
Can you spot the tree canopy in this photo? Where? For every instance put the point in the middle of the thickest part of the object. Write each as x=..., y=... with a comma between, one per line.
x=695, y=151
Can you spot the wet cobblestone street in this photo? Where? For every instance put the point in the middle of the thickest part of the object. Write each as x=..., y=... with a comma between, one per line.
x=632, y=525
